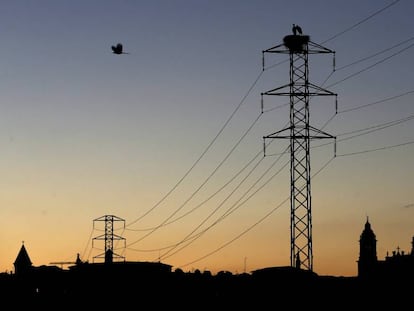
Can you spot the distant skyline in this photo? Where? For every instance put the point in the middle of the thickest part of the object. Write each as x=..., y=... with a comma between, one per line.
x=170, y=136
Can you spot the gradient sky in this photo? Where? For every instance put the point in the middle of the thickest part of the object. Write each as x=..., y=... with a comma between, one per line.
x=169, y=137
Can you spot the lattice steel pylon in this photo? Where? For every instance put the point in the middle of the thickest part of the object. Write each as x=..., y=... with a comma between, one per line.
x=109, y=238
x=300, y=133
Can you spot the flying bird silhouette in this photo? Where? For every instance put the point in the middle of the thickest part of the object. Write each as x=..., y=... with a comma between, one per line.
x=118, y=49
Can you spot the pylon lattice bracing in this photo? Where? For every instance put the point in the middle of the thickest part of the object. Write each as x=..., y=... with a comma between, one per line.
x=300, y=133
x=108, y=255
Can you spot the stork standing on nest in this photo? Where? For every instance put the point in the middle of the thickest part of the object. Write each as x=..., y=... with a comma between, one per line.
x=296, y=29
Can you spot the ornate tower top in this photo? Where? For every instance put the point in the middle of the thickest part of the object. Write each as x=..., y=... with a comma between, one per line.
x=367, y=233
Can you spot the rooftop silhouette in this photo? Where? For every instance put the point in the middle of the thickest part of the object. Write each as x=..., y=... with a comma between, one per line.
x=106, y=284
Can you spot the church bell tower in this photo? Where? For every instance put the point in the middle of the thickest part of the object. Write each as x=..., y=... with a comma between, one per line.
x=367, y=252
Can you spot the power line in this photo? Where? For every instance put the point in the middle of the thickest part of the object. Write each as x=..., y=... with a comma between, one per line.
x=377, y=127
x=231, y=193
x=223, y=129
x=375, y=54
x=376, y=102
x=202, y=154
x=363, y=106
x=234, y=112
x=374, y=128
x=368, y=130
x=252, y=226
x=236, y=205
x=202, y=184
x=362, y=21
x=371, y=66
x=354, y=74
x=343, y=31
x=376, y=149
x=388, y=124
x=279, y=205
x=382, y=127
x=260, y=153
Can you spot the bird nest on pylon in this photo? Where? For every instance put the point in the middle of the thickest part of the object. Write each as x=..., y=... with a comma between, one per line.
x=296, y=43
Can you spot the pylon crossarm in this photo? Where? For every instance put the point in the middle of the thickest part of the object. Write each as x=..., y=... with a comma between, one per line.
x=100, y=237
x=321, y=90
x=320, y=134
x=275, y=91
x=275, y=48
x=315, y=48
x=300, y=134
x=276, y=134
x=117, y=237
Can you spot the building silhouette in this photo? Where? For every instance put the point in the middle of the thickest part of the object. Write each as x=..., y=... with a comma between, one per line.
x=397, y=265
x=22, y=264
x=109, y=284
x=367, y=252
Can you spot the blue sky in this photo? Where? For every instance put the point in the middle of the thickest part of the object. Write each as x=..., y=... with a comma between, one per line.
x=86, y=133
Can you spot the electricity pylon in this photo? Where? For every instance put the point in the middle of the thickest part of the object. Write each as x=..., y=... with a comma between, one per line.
x=109, y=238
x=300, y=133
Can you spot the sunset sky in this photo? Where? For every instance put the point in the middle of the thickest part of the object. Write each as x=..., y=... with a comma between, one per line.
x=169, y=138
